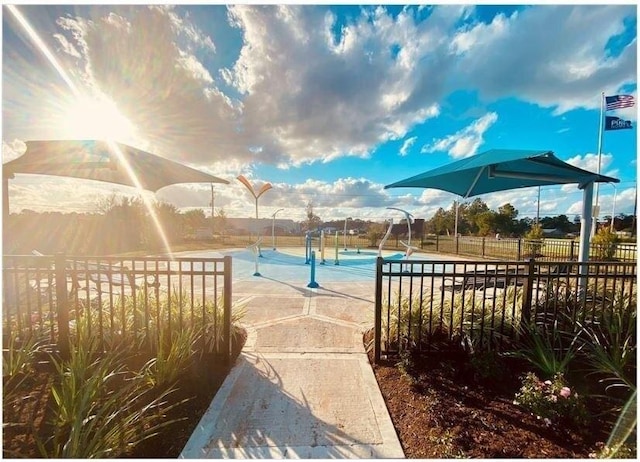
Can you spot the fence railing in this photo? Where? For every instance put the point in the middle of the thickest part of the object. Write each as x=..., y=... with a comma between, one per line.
x=135, y=300
x=430, y=306
x=519, y=249
x=485, y=247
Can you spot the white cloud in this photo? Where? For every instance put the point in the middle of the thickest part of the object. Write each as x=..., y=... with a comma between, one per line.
x=304, y=91
x=404, y=150
x=553, y=56
x=322, y=97
x=465, y=142
x=589, y=162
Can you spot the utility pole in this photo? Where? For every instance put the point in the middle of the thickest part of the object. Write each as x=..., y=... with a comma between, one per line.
x=213, y=214
x=538, y=211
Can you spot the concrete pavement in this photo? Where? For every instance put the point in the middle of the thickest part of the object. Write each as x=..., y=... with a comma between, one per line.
x=302, y=386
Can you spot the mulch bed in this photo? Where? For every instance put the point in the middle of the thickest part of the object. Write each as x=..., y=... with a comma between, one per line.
x=442, y=409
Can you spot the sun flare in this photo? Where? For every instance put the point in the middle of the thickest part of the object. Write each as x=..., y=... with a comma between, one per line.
x=93, y=118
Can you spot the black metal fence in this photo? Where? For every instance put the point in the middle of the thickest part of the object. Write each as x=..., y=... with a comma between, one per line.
x=133, y=300
x=519, y=249
x=430, y=306
x=486, y=247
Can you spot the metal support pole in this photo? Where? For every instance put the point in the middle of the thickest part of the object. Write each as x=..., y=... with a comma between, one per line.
x=227, y=346
x=377, y=330
x=345, y=234
x=585, y=230
x=62, y=306
x=312, y=283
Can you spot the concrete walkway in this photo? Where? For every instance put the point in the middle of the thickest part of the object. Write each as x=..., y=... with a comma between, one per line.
x=302, y=386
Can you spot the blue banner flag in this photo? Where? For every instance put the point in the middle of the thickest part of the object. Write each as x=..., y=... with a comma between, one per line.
x=618, y=102
x=616, y=123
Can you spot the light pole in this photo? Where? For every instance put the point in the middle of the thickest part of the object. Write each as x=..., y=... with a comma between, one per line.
x=265, y=187
x=538, y=209
x=345, y=233
x=613, y=209
x=273, y=228
x=213, y=214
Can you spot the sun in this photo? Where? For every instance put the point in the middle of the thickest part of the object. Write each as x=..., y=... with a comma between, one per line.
x=96, y=118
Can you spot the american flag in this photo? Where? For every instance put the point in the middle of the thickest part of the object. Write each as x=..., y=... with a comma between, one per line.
x=619, y=102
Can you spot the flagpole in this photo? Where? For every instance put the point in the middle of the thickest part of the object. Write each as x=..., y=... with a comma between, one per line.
x=597, y=185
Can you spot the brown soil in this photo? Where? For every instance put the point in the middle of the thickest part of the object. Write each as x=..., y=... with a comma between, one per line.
x=440, y=408
x=443, y=409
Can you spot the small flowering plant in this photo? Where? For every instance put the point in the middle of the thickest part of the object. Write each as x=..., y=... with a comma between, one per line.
x=551, y=401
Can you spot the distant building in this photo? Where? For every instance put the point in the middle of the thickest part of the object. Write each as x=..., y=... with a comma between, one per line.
x=553, y=232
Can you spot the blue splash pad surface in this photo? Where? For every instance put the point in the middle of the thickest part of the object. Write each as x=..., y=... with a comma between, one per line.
x=289, y=265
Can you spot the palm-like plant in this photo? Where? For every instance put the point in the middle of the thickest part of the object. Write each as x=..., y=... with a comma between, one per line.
x=99, y=409
x=549, y=349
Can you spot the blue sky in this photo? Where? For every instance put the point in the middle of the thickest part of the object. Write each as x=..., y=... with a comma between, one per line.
x=328, y=103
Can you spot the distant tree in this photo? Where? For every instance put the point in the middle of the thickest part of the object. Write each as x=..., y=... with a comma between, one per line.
x=486, y=223
x=470, y=214
x=605, y=243
x=505, y=219
x=376, y=231
x=169, y=218
x=441, y=222
x=221, y=221
x=313, y=221
x=192, y=220
x=534, y=236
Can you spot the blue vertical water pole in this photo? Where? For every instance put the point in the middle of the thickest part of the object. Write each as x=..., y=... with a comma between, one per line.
x=322, y=244
x=337, y=262
x=307, y=249
x=312, y=283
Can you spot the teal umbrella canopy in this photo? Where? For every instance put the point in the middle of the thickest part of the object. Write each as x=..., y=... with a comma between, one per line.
x=501, y=170
x=504, y=169
x=103, y=161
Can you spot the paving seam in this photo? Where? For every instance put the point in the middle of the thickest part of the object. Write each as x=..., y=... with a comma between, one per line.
x=200, y=443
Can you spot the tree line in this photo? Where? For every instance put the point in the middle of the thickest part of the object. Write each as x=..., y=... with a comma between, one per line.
x=122, y=224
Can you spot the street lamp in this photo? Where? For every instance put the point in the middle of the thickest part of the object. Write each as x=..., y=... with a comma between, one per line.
x=265, y=187
x=345, y=233
x=273, y=228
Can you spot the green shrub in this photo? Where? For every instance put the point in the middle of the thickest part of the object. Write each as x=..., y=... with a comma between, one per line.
x=610, y=345
x=533, y=241
x=605, y=244
x=100, y=410
x=172, y=358
x=549, y=350
x=552, y=401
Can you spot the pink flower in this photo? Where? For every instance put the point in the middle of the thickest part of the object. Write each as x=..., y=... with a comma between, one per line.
x=565, y=392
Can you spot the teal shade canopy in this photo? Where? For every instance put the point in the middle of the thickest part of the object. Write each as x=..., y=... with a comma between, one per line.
x=500, y=170
x=103, y=161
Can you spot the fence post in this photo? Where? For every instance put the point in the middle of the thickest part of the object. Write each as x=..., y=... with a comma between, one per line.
x=437, y=242
x=483, y=238
x=572, y=253
x=457, y=244
x=519, y=256
x=377, y=330
x=528, y=293
x=227, y=344
x=62, y=305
